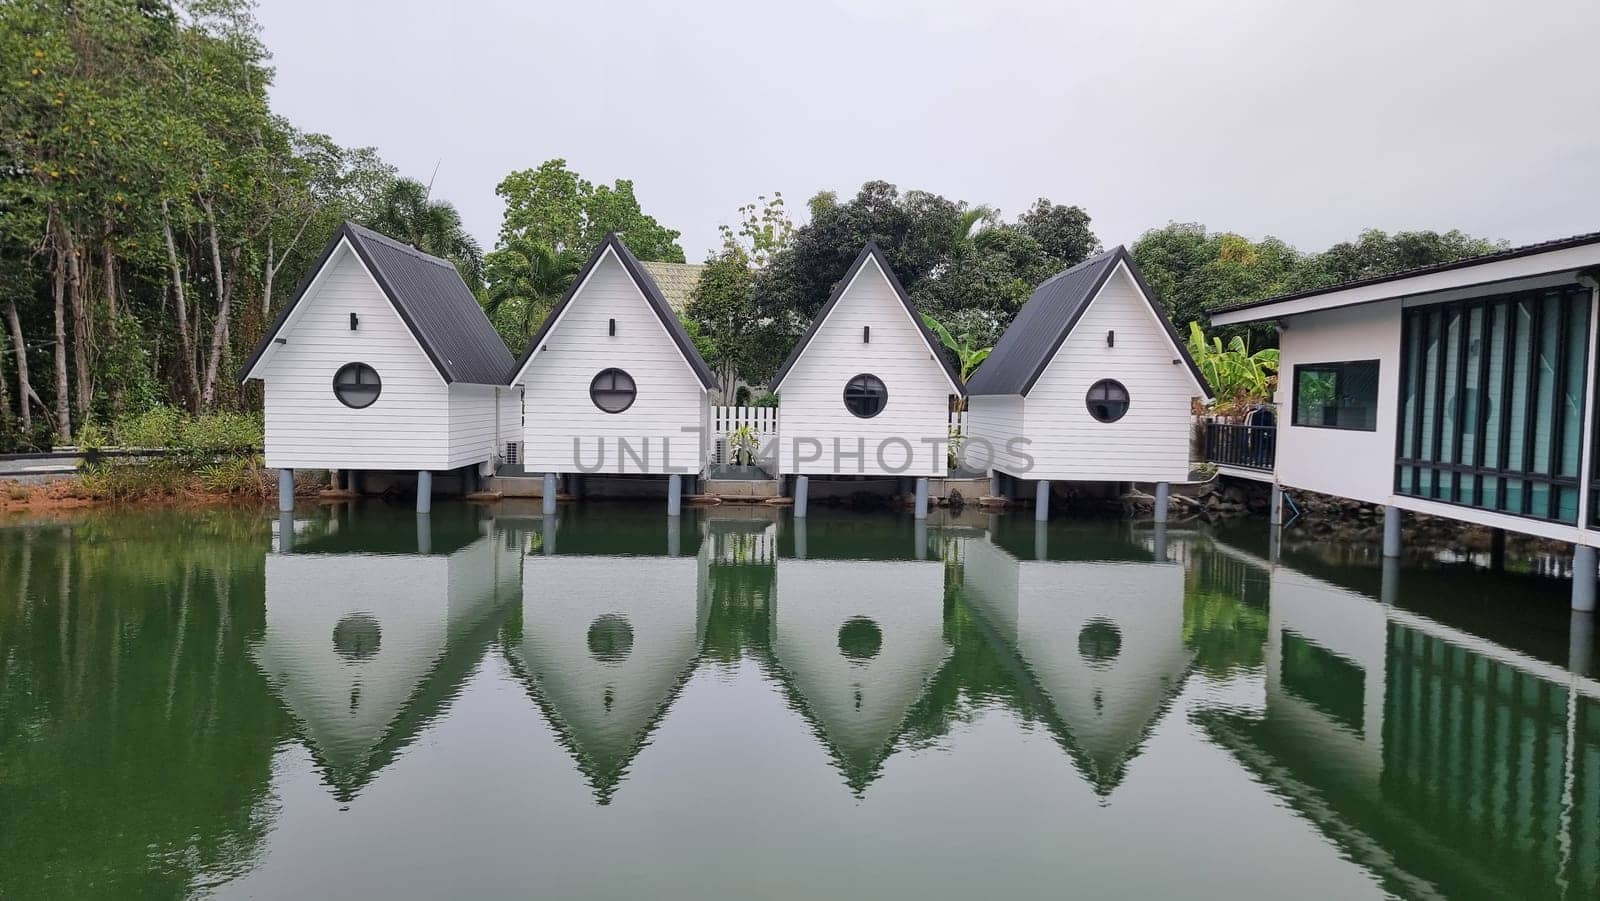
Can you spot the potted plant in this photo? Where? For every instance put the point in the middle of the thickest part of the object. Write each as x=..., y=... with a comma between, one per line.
x=743, y=444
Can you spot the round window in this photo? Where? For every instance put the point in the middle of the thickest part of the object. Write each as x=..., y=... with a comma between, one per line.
x=866, y=396
x=612, y=390
x=357, y=385
x=1108, y=400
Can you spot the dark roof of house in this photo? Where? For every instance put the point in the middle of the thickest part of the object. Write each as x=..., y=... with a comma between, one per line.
x=1499, y=255
x=871, y=251
x=652, y=294
x=430, y=297
x=1050, y=314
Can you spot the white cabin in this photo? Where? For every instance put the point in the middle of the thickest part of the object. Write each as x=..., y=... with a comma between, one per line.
x=384, y=361
x=1089, y=384
x=613, y=383
x=867, y=390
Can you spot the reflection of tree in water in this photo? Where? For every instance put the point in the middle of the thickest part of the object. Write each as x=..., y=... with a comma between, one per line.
x=136, y=734
x=1225, y=613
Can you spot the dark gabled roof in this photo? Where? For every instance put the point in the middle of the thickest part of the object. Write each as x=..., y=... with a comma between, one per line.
x=1499, y=255
x=436, y=305
x=651, y=292
x=1050, y=314
x=871, y=251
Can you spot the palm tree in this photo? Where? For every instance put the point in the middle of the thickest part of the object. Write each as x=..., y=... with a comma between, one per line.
x=969, y=222
x=968, y=355
x=404, y=212
x=526, y=278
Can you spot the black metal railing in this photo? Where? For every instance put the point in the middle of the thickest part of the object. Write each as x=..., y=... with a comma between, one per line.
x=1243, y=446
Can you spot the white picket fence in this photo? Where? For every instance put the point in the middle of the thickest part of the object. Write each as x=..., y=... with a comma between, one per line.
x=763, y=421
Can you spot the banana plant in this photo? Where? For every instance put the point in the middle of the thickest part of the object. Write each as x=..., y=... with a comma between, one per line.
x=968, y=356
x=1237, y=376
x=743, y=442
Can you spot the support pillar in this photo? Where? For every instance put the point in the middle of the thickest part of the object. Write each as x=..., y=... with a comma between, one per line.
x=1274, y=544
x=550, y=482
x=547, y=531
x=352, y=481
x=922, y=498
x=1158, y=539
x=800, y=539
x=1041, y=540
x=424, y=534
x=802, y=485
x=674, y=495
x=1041, y=500
x=333, y=479
x=1389, y=588
x=1275, y=506
x=424, y=492
x=1583, y=578
x=1580, y=643
x=919, y=537
x=285, y=490
x=994, y=484
x=1391, y=535
x=674, y=535
x=1163, y=500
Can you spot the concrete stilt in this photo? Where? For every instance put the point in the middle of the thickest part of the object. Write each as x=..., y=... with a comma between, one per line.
x=1041, y=540
x=352, y=481
x=1580, y=643
x=802, y=485
x=1274, y=544
x=1389, y=588
x=1497, y=550
x=674, y=495
x=922, y=498
x=1275, y=507
x=285, y=490
x=800, y=539
x=547, y=530
x=1163, y=501
x=920, y=539
x=1583, y=578
x=424, y=533
x=286, y=532
x=1391, y=532
x=994, y=484
x=333, y=479
x=1041, y=500
x=551, y=480
x=674, y=535
x=424, y=492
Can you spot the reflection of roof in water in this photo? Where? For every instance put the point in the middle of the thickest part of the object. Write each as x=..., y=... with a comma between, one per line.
x=1109, y=540
x=371, y=528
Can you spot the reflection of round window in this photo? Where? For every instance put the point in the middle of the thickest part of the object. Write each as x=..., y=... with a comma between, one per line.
x=357, y=385
x=860, y=639
x=610, y=638
x=357, y=637
x=1107, y=400
x=1100, y=642
x=613, y=390
x=866, y=396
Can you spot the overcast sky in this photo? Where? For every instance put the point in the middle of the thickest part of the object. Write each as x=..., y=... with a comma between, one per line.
x=1304, y=119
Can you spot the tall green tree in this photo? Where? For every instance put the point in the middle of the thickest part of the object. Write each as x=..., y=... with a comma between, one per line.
x=731, y=331
x=1062, y=231
x=405, y=211
x=525, y=279
x=554, y=206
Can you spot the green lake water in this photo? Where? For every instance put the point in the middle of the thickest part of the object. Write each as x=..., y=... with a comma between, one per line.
x=355, y=703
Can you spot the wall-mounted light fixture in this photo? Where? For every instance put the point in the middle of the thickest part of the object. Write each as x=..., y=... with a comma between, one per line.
x=613, y=328
x=354, y=321
x=1111, y=338
x=866, y=334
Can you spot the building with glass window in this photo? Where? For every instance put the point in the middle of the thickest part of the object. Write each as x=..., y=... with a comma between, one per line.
x=614, y=385
x=1089, y=384
x=866, y=391
x=1463, y=390
x=384, y=361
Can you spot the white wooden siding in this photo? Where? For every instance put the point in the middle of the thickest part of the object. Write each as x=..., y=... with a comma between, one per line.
x=472, y=425
x=1151, y=442
x=993, y=421
x=557, y=407
x=407, y=427
x=812, y=393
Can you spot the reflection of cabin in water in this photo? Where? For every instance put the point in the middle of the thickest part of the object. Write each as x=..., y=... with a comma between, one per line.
x=1101, y=640
x=855, y=643
x=606, y=644
x=1446, y=764
x=372, y=623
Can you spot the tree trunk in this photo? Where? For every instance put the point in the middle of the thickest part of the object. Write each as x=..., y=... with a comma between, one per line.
x=25, y=391
x=24, y=386
x=63, y=396
x=5, y=390
x=191, y=378
x=67, y=254
x=219, y=328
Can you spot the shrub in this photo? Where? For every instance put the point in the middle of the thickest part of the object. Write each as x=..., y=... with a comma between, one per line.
x=91, y=437
x=158, y=426
x=17, y=491
x=234, y=475
x=217, y=433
